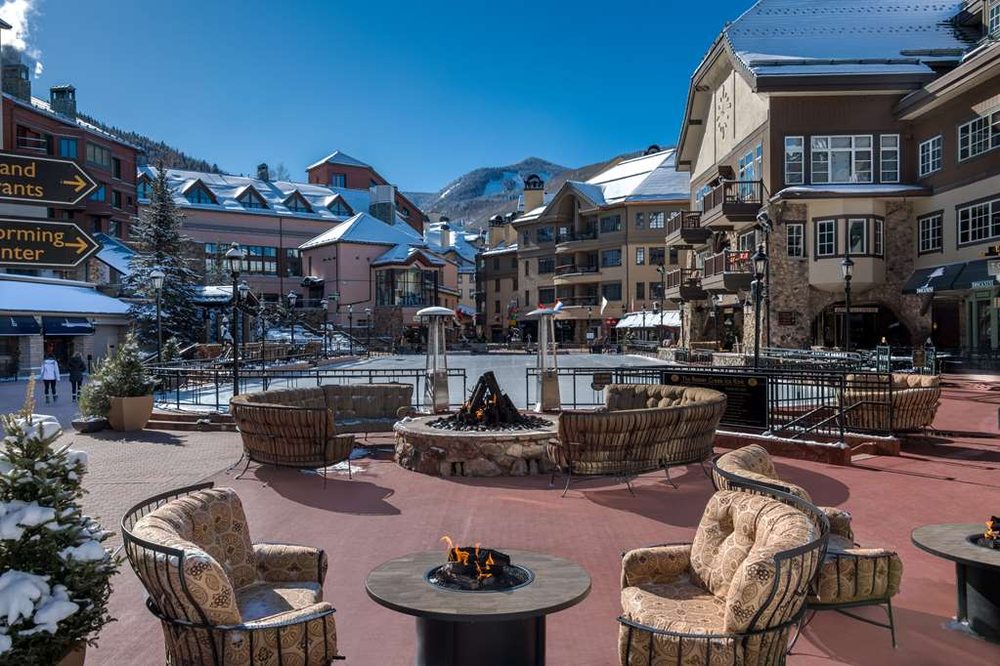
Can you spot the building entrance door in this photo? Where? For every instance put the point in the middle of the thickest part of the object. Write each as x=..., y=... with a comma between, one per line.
x=869, y=325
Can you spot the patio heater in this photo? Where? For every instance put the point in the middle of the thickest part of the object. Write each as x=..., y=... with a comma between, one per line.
x=368, y=337
x=759, y=260
x=325, y=304
x=548, y=371
x=292, y=297
x=156, y=277
x=847, y=268
x=234, y=260
x=436, y=364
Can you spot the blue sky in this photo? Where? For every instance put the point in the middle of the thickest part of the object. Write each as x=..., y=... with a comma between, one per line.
x=424, y=91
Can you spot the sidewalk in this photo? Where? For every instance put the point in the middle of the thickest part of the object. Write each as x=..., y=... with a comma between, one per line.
x=12, y=399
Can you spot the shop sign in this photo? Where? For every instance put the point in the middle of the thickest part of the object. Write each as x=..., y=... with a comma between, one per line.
x=746, y=394
x=983, y=284
x=42, y=180
x=600, y=380
x=926, y=289
x=42, y=243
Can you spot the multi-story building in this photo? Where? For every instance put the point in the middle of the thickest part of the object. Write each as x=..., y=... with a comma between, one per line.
x=597, y=246
x=497, y=281
x=831, y=126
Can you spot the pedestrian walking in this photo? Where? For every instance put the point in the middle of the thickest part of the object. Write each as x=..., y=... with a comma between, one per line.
x=50, y=377
x=77, y=366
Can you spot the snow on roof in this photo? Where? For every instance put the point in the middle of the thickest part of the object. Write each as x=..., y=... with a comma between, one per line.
x=647, y=178
x=41, y=106
x=366, y=229
x=402, y=253
x=339, y=157
x=855, y=189
x=114, y=253
x=213, y=294
x=501, y=248
x=56, y=296
x=819, y=37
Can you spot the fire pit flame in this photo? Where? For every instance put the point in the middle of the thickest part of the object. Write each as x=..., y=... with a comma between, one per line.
x=477, y=569
x=488, y=408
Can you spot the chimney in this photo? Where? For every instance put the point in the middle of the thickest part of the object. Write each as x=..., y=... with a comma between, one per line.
x=263, y=173
x=15, y=80
x=447, y=236
x=534, y=192
x=383, y=203
x=62, y=99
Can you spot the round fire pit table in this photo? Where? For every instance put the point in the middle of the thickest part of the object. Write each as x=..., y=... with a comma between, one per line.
x=977, y=573
x=485, y=628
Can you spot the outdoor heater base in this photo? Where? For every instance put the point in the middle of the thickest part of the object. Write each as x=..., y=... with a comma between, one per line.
x=442, y=643
x=979, y=600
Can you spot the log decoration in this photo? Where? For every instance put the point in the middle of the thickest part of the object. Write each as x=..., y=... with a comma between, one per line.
x=488, y=408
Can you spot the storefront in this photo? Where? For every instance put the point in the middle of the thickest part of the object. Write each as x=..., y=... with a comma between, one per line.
x=963, y=299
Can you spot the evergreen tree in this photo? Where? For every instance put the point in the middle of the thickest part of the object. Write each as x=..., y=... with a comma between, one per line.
x=157, y=233
x=120, y=375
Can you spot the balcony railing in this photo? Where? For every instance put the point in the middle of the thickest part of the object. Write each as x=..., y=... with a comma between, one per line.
x=578, y=301
x=730, y=192
x=570, y=269
x=729, y=261
x=685, y=219
x=585, y=234
x=34, y=144
x=683, y=276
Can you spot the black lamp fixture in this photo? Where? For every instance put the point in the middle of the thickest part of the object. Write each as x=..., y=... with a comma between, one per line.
x=292, y=298
x=759, y=260
x=234, y=261
x=368, y=341
x=156, y=277
x=325, y=304
x=350, y=327
x=847, y=269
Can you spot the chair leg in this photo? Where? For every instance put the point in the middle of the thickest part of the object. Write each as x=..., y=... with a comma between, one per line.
x=669, y=480
x=892, y=622
x=245, y=468
x=628, y=484
x=349, y=477
x=799, y=626
x=708, y=474
x=552, y=479
x=569, y=477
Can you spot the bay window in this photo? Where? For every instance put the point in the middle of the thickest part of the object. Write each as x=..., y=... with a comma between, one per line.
x=841, y=159
x=826, y=238
x=979, y=136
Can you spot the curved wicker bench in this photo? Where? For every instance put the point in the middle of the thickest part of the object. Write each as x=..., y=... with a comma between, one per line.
x=851, y=575
x=643, y=427
x=915, y=400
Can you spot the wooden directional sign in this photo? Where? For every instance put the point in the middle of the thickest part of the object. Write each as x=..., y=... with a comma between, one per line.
x=43, y=243
x=42, y=180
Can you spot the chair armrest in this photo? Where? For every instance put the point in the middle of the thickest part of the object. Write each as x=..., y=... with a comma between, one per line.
x=858, y=574
x=840, y=521
x=347, y=436
x=655, y=564
x=290, y=563
x=303, y=636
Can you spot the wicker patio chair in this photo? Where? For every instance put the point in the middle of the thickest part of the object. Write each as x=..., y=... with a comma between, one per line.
x=732, y=596
x=221, y=599
x=909, y=404
x=851, y=576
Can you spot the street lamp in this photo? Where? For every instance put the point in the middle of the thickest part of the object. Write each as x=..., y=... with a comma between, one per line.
x=590, y=314
x=244, y=290
x=156, y=277
x=234, y=260
x=716, y=301
x=292, y=297
x=368, y=338
x=350, y=327
x=325, y=304
x=847, y=268
x=759, y=260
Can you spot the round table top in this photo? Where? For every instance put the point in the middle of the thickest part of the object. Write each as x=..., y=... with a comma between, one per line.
x=951, y=541
x=400, y=584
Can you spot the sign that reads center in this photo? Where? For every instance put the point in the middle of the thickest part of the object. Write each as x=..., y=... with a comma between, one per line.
x=42, y=180
x=746, y=393
x=31, y=244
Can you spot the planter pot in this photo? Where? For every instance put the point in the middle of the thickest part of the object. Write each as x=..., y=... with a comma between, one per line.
x=130, y=413
x=90, y=424
x=74, y=657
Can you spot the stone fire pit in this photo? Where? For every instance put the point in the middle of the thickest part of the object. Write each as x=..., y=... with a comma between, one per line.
x=472, y=453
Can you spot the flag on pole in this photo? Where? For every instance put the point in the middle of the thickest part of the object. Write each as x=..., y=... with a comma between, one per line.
x=557, y=307
x=604, y=304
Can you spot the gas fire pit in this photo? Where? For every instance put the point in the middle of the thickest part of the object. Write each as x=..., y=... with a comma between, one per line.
x=475, y=569
x=488, y=436
x=481, y=625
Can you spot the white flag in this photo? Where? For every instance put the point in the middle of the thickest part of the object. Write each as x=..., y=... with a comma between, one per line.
x=604, y=304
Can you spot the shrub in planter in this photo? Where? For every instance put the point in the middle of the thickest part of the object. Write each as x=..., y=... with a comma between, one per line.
x=56, y=572
x=120, y=389
x=171, y=351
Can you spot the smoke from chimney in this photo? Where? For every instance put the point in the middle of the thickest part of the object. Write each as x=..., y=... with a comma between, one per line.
x=17, y=46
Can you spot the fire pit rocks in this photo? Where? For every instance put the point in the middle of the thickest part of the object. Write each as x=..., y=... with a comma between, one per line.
x=488, y=436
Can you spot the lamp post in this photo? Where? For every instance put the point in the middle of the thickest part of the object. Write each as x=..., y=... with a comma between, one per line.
x=716, y=301
x=244, y=290
x=292, y=297
x=234, y=260
x=847, y=268
x=156, y=277
x=325, y=304
x=659, y=328
x=590, y=314
x=760, y=260
x=350, y=327
x=368, y=338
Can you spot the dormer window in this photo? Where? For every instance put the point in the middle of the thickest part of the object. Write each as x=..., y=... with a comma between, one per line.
x=297, y=203
x=251, y=199
x=338, y=180
x=338, y=208
x=198, y=194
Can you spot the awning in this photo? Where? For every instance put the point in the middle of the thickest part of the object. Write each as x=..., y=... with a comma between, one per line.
x=975, y=275
x=648, y=319
x=18, y=325
x=935, y=278
x=66, y=326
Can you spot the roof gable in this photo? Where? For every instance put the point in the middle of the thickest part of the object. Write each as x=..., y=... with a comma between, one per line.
x=339, y=157
x=367, y=230
x=298, y=203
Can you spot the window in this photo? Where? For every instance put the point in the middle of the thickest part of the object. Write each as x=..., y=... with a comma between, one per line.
x=116, y=199
x=546, y=265
x=98, y=156
x=656, y=220
x=794, y=160
x=198, y=195
x=930, y=156
x=888, y=145
x=979, y=222
x=100, y=194
x=252, y=200
x=612, y=291
x=795, y=234
x=496, y=307
x=293, y=262
x=656, y=291
x=461, y=280
x=611, y=223
x=978, y=136
x=657, y=255
x=405, y=211
x=513, y=263
x=699, y=196
x=877, y=239
x=116, y=167
x=297, y=204
x=750, y=165
x=260, y=260
x=640, y=256
x=524, y=237
x=544, y=234
x=546, y=295
x=841, y=159
x=857, y=236
x=640, y=220
x=144, y=189
x=36, y=142
x=67, y=148
x=930, y=236
x=339, y=209
x=496, y=284
x=640, y=290
x=496, y=264
x=993, y=21
x=338, y=180
x=826, y=238
x=748, y=242
x=526, y=269
x=611, y=258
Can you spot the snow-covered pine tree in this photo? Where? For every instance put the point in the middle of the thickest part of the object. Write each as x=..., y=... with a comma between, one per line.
x=56, y=572
x=157, y=233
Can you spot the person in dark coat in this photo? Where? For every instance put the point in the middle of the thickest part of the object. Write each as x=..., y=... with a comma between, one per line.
x=77, y=366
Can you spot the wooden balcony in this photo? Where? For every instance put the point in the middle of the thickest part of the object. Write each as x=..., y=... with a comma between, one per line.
x=684, y=228
x=577, y=241
x=573, y=274
x=684, y=284
x=732, y=203
x=728, y=271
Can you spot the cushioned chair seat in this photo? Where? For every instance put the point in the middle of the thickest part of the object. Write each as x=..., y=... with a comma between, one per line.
x=261, y=600
x=679, y=605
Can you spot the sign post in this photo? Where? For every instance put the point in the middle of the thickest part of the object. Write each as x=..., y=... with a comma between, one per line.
x=43, y=244
x=42, y=180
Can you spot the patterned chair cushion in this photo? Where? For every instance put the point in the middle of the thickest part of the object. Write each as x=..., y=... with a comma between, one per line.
x=680, y=605
x=262, y=600
x=850, y=573
x=753, y=462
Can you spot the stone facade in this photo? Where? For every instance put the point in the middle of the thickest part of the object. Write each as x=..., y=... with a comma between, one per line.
x=428, y=450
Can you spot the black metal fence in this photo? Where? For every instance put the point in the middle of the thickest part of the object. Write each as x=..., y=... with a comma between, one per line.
x=211, y=388
x=792, y=403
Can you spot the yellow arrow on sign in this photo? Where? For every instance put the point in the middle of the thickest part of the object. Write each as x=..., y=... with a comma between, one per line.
x=80, y=245
x=77, y=183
